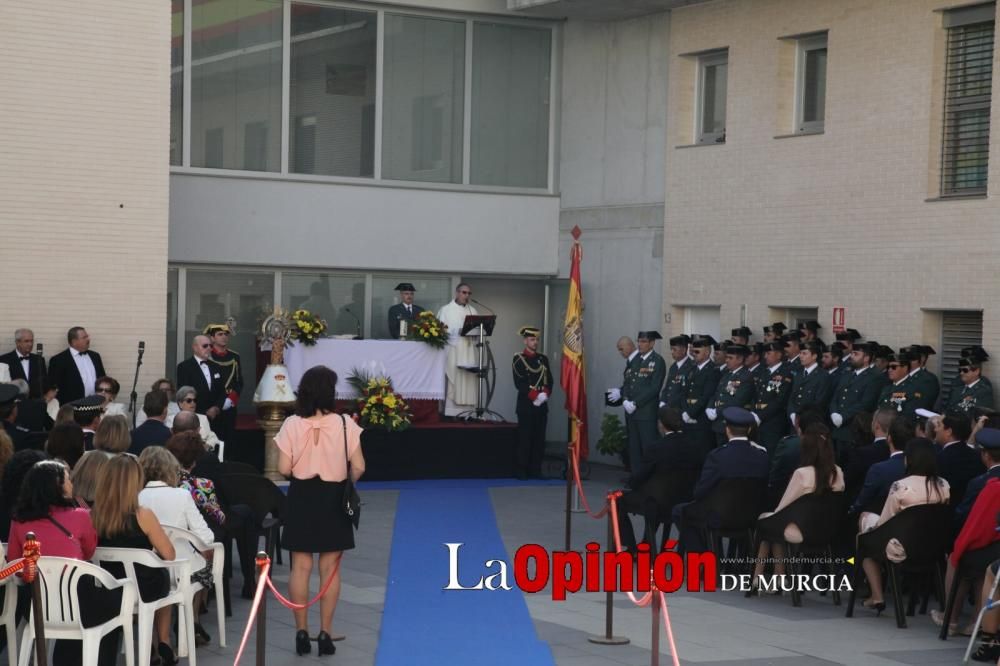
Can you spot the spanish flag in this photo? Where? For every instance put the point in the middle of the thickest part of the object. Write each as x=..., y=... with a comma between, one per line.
x=572, y=375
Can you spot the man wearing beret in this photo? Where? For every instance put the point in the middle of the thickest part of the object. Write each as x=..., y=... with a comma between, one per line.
x=406, y=310
x=735, y=389
x=973, y=392
x=857, y=392
x=232, y=379
x=641, y=395
x=678, y=374
x=533, y=381
x=701, y=387
x=739, y=458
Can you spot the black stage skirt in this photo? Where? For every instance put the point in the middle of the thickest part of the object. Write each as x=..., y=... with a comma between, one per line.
x=314, y=520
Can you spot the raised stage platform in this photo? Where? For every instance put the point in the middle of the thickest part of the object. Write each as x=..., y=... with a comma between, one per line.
x=442, y=450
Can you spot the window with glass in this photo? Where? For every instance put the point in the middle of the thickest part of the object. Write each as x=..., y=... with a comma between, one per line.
x=248, y=297
x=332, y=90
x=967, y=100
x=236, y=84
x=176, y=81
x=431, y=293
x=171, y=321
x=811, y=84
x=337, y=298
x=424, y=98
x=713, y=71
x=510, y=105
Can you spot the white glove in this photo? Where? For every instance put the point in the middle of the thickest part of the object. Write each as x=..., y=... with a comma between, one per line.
x=687, y=419
x=542, y=398
x=711, y=413
x=837, y=419
x=537, y=402
x=614, y=395
x=755, y=418
x=228, y=404
x=662, y=404
x=629, y=406
x=791, y=417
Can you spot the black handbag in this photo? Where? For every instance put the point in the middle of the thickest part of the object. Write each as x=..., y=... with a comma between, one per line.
x=352, y=500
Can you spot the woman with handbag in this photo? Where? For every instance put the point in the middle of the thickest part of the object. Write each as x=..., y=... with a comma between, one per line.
x=320, y=451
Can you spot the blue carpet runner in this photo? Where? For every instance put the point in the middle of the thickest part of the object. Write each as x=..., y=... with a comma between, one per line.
x=424, y=624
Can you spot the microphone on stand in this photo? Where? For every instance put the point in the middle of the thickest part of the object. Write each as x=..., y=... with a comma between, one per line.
x=356, y=320
x=133, y=396
x=484, y=305
x=38, y=349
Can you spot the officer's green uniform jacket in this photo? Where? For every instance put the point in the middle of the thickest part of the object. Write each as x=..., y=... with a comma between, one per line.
x=675, y=387
x=857, y=392
x=642, y=385
x=968, y=398
x=901, y=397
x=809, y=389
x=735, y=389
x=926, y=388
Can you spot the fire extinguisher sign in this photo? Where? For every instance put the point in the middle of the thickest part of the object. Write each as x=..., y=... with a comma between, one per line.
x=839, y=319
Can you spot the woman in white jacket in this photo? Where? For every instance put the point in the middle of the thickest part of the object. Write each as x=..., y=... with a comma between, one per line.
x=186, y=396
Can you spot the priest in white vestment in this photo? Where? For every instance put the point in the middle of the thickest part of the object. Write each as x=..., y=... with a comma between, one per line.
x=461, y=390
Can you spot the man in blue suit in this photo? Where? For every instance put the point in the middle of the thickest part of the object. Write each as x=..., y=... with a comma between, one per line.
x=152, y=432
x=958, y=462
x=739, y=458
x=882, y=475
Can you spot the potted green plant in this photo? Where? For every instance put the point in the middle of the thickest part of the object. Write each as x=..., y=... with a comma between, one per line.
x=613, y=436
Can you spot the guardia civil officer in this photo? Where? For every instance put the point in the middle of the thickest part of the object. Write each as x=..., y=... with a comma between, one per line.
x=741, y=336
x=698, y=396
x=641, y=395
x=735, y=389
x=900, y=393
x=406, y=310
x=926, y=386
x=771, y=401
x=533, y=381
x=678, y=374
x=792, y=343
x=857, y=392
x=974, y=392
x=848, y=337
x=811, y=386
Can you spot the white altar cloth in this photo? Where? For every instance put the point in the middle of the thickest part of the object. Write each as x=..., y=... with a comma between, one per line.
x=416, y=368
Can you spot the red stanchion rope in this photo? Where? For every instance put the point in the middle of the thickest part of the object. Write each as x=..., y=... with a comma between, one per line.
x=579, y=486
x=287, y=603
x=261, y=584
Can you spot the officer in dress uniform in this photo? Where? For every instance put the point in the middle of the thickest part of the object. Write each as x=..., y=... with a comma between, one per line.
x=533, y=381
x=701, y=387
x=406, y=310
x=735, y=389
x=755, y=353
x=741, y=335
x=224, y=424
x=974, y=392
x=613, y=396
x=832, y=362
x=900, y=394
x=678, y=374
x=771, y=402
x=857, y=392
x=848, y=337
x=641, y=396
x=719, y=354
x=810, y=331
x=774, y=332
x=927, y=387
x=811, y=386
x=792, y=343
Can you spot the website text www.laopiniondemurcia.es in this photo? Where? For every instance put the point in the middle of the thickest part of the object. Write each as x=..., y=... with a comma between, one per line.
x=595, y=571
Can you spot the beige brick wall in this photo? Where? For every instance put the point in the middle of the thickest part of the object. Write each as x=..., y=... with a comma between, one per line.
x=83, y=176
x=838, y=219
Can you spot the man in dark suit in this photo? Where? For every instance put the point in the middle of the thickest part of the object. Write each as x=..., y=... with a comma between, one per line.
x=882, y=475
x=204, y=376
x=735, y=389
x=152, y=432
x=701, y=388
x=958, y=462
x=23, y=364
x=857, y=460
x=739, y=458
x=670, y=458
x=811, y=386
x=405, y=310
x=75, y=369
x=678, y=374
x=771, y=400
x=857, y=392
x=989, y=440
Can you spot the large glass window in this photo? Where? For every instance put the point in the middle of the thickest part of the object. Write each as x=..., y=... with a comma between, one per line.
x=422, y=117
x=248, y=297
x=332, y=93
x=336, y=297
x=171, y=352
x=713, y=73
x=510, y=105
x=176, y=81
x=811, y=84
x=236, y=84
x=431, y=294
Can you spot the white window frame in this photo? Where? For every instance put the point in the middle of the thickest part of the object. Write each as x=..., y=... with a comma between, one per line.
x=705, y=61
x=803, y=47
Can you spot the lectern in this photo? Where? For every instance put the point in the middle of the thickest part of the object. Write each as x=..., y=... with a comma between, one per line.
x=481, y=326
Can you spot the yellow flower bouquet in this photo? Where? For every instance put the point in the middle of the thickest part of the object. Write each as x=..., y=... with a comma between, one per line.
x=307, y=328
x=428, y=328
x=378, y=405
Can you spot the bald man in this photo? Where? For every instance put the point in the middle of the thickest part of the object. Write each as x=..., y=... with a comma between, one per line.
x=613, y=397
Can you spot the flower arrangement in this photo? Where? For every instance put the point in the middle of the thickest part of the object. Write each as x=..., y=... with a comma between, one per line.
x=379, y=406
x=428, y=328
x=307, y=327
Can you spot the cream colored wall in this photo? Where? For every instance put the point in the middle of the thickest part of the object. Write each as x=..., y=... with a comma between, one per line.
x=846, y=218
x=83, y=176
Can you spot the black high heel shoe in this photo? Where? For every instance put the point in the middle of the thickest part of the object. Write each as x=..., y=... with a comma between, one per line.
x=302, y=644
x=167, y=656
x=325, y=643
x=877, y=606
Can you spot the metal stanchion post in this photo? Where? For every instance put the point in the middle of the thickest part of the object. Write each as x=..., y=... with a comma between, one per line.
x=37, y=612
x=654, y=657
x=569, y=491
x=609, y=638
x=262, y=559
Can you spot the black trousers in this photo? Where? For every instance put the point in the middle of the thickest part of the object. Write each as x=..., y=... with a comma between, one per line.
x=531, y=422
x=224, y=425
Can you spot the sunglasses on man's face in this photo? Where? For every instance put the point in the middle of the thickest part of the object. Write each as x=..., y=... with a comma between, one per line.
x=894, y=366
x=964, y=370
x=104, y=389
x=205, y=346
x=188, y=400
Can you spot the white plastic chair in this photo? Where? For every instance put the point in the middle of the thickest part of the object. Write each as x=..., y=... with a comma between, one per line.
x=9, y=609
x=188, y=543
x=180, y=577
x=58, y=579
